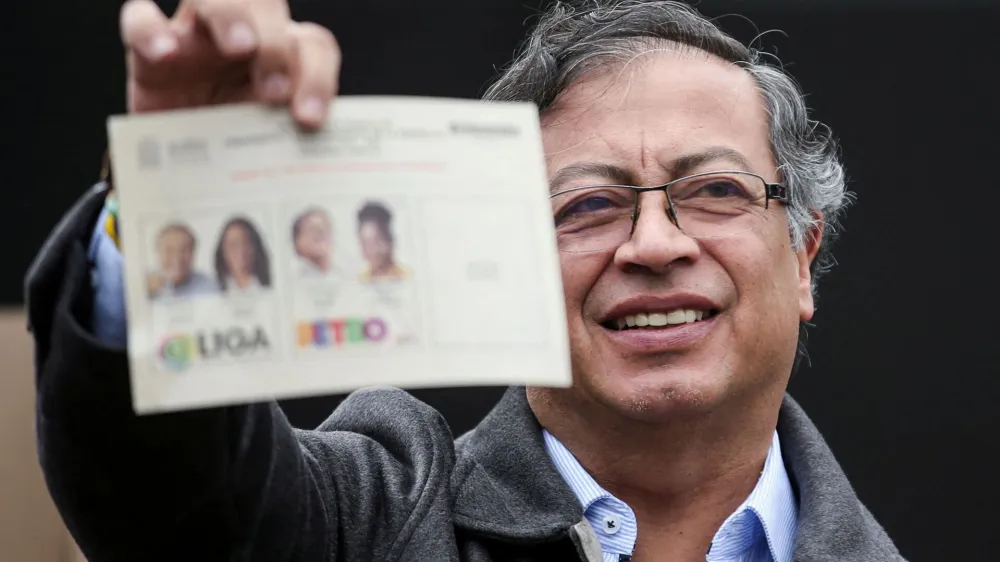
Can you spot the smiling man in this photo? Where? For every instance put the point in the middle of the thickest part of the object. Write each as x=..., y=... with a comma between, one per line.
x=684, y=302
x=693, y=201
x=175, y=249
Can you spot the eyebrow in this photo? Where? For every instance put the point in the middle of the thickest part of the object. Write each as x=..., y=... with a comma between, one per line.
x=579, y=170
x=678, y=167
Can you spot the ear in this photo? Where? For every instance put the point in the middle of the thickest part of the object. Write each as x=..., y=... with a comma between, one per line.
x=805, y=257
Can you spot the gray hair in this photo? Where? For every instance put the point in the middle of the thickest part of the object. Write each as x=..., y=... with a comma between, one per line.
x=572, y=40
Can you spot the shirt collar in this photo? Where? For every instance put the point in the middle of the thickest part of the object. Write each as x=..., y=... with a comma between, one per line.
x=769, y=514
x=767, y=518
x=584, y=487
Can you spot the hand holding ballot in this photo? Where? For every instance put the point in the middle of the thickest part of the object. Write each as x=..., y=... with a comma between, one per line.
x=405, y=242
x=271, y=255
x=223, y=51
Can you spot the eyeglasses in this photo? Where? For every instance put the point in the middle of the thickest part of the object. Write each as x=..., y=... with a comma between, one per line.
x=707, y=205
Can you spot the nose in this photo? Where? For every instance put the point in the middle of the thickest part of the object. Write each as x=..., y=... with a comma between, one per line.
x=656, y=242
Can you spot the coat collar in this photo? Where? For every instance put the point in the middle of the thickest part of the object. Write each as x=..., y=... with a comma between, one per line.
x=833, y=524
x=505, y=486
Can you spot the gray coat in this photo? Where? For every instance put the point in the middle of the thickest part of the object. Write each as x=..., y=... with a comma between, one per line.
x=381, y=479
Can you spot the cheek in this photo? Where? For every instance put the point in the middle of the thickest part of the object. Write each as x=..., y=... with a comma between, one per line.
x=580, y=273
x=764, y=274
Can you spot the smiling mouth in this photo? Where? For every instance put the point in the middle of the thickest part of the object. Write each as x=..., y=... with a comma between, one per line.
x=658, y=320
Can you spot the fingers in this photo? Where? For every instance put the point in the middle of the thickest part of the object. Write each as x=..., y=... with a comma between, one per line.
x=274, y=63
x=146, y=31
x=315, y=73
x=292, y=62
x=286, y=62
x=229, y=23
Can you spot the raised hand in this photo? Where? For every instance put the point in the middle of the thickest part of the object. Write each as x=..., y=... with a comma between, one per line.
x=225, y=51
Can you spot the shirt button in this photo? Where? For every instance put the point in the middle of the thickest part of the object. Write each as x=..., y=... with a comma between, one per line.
x=611, y=524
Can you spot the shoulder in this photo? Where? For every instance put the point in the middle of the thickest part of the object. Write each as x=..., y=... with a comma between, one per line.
x=200, y=284
x=383, y=460
x=201, y=278
x=832, y=520
x=390, y=425
x=71, y=236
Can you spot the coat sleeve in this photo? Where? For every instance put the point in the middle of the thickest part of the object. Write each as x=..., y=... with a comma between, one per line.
x=234, y=483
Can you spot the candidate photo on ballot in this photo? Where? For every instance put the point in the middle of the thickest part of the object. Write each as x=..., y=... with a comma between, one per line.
x=176, y=246
x=378, y=244
x=242, y=262
x=312, y=244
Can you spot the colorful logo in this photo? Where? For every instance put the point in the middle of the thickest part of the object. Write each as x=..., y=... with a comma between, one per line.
x=342, y=331
x=178, y=351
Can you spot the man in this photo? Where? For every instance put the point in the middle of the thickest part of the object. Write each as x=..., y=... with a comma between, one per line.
x=312, y=239
x=684, y=305
x=175, y=247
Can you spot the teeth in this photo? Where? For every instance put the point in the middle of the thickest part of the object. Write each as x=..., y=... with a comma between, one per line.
x=657, y=319
x=676, y=317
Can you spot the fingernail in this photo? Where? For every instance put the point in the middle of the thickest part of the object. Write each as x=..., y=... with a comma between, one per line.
x=312, y=108
x=241, y=36
x=276, y=86
x=161, y=46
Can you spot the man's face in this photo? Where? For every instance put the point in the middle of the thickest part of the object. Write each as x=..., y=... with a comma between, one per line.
x=376, y=248
x=752, y=289
x=314, y=239
x=176, y=250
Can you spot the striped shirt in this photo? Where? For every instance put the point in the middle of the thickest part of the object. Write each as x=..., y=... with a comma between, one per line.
x=762, y=529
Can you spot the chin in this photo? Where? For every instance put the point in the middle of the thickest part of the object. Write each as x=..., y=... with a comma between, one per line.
x=663, y=394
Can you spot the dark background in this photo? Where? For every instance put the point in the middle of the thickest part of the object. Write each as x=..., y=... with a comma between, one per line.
x=902, y=380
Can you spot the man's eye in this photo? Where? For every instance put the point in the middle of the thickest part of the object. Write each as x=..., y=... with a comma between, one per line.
x=720, y=189
x=592, y=204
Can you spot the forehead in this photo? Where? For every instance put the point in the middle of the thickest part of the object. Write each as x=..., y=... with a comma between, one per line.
x=659, y=107
x=370, y=226
x=236, y=230
x=314, y=220
x=176, y=236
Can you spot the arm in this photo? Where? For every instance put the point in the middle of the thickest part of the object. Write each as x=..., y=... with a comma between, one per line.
x=234, y=483
x=219, y=484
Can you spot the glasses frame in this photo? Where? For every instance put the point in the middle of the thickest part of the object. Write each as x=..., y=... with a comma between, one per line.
x=772, y=192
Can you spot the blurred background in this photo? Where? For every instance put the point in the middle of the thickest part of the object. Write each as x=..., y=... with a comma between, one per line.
x=902, y=380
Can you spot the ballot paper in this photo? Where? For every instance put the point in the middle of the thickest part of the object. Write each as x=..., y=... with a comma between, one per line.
x=408, y=243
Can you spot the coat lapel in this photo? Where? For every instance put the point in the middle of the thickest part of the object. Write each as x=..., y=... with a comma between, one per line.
x=504, y=484
x=833, y=524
